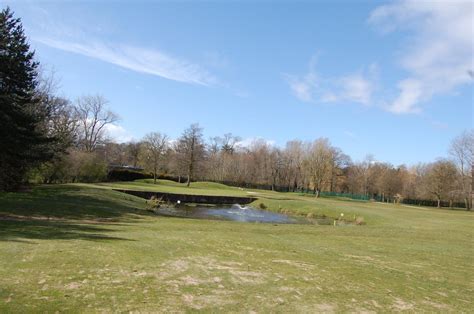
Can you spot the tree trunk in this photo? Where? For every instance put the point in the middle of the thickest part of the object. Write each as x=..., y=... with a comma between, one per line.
x=189, y=181
x=439, y=203
x=154, y=175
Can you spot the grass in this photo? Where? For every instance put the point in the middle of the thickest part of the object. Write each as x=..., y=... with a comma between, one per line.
x=196, y=188
x=86, y=248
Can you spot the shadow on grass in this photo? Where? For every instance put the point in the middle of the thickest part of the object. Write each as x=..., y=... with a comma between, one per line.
x=66, y=212
x=19, y=231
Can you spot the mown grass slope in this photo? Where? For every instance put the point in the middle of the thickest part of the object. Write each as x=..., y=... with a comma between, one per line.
x=88, y=248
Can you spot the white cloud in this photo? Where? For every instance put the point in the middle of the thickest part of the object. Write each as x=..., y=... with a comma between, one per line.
x=350, y=134
x=411, y=91
x=303, y=87
x=118, y=133
x=137, y=59
x=355, y=87
x=250, y=141
x=440, y=53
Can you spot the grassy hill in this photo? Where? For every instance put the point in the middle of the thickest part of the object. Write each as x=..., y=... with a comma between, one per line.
x=87, y=248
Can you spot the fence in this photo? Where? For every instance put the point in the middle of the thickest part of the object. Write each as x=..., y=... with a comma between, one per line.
x=433, y=203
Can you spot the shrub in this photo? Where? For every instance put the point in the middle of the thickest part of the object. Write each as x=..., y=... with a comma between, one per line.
x=90, y=167
x=154, y=203
x=262, y=206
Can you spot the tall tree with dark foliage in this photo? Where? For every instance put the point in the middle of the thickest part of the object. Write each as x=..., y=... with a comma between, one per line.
x=24, y=142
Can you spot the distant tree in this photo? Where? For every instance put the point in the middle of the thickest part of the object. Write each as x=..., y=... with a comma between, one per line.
x=439, y=179
x=462, y=153
x=338, y=162
x=190, y=150
x=93, y=117
x=318, y=164
x=154, y=147
x=277, y=163
x=229, y=142
x=24, y=136
x=133, y=153
x=294, y=155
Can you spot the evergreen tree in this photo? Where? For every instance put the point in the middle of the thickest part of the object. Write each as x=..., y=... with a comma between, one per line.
x=23, y=132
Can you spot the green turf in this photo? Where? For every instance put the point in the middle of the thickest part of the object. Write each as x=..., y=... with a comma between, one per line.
x=80, y=248
x=196, y=188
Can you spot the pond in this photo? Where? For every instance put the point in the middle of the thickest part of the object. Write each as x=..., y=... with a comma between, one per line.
x=225, y=212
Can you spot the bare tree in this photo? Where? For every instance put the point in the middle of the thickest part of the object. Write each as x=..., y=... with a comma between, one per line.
x=93, y=117
x=228, y=143
x=190, y=149
x=133, y=153
x=61, y=122
x=338, y=162
x=318, y=164
x=276, y=166
x=462, y=153
x=439, y=179
x=294, y=154
x=154, y=146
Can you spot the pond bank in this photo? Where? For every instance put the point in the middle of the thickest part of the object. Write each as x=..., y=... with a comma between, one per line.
x=187, y=198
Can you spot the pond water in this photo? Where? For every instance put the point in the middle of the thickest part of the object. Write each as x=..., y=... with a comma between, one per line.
x=234, y=213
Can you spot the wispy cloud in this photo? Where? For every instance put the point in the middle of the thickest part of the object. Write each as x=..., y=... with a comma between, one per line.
x=355, y=87
x=118, y=133
x=350, y=134
x=137, y=59
x=440, y=53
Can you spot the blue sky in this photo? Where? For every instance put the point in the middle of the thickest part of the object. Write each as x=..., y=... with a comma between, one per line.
x=384, y=78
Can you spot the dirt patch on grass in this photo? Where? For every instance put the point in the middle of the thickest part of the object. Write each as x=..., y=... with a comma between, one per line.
x=316, y=308
x=297, y=264
x=72, y=286
x=206, y=268
x=436, y=305
x=205, y=282
x=199, y=302
x=401, y=305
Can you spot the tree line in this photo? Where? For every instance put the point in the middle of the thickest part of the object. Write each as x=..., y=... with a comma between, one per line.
x=51, y=139
x=310, y=167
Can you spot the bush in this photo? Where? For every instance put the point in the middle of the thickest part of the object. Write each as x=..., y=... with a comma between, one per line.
x=262, y=206
x=89, y=168
x=73, y=166
x=154, y=203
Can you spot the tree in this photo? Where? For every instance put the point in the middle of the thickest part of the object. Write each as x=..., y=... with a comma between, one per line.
x=25, y=140
x=154, y=145
x=228, y=143
x=93, y=118
x=439, y=179
x=276, y=166
x=318, y=163
x=133, y=153
x=294, y=154
x=462, y=153
x=338, y=162
x=190, y=150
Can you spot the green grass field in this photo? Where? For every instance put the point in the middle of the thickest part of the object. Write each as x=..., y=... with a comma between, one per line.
x=86, y=248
